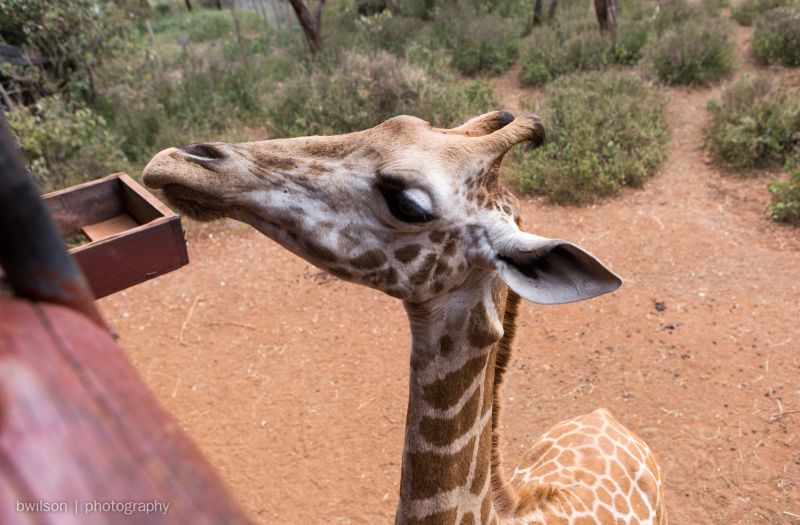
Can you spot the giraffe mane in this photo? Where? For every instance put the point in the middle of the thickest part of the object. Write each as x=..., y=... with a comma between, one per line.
x=508, y=501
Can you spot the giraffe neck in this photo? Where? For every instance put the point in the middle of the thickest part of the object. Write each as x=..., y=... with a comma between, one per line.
x=447, y=473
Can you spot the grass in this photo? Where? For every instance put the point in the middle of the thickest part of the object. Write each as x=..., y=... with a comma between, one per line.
x=785, y=205
x=696, y=53
x=482, y=45
x=776, y=38
x=361, y=90
x=754, y=124
x=65, y=142
x=606, y=130
x=745, y=12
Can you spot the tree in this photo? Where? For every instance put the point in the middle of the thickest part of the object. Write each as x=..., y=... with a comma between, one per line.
x=606, y=14
x=537, y=11
x=312, y=25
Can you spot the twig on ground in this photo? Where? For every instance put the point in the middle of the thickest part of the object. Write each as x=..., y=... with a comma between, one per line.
x=188, y=318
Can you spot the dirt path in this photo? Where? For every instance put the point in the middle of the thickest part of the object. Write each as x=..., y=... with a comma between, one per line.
x=295, y=385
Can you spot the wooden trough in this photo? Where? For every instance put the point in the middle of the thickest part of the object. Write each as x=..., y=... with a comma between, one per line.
x=132, y=236
x=82, y=440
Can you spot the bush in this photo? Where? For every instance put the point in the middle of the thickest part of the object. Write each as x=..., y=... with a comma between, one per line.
x=201, y=25
x=359, y=91
x=785, y=205
x=65, y=143
x=697, y=53
x=553, y=53
x=544, y=59
x=746, y=11
x=209, y=99
x=776, y=39
x=386, y=31
x=483, y=45
x=77, y=38
x=605, y=131
x=756, y=123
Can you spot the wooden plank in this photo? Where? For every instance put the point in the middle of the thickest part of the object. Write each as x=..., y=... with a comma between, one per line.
x=140, y=203
x=113, y=226
x=80, y=426
x=124, y=251
x=145, y=252
x=87, y=203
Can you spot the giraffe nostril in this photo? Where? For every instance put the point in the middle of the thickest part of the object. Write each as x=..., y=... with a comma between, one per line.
x=206, y=151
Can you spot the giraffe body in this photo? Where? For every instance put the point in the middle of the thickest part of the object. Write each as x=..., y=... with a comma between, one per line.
x=595, y=471
x=418, y=212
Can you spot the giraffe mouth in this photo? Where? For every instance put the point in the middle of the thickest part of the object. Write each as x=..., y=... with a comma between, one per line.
x=193, y=203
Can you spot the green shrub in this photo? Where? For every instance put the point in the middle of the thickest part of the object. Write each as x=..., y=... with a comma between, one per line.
x=201, y=25
x=756, y=123
x=553, y=52
x=65, y=143
x=78, y=38
x=785, y=205
x=543, y=59
x=209, y=98
x=745, y=12
x=387, y=31
x=674, y=14
x=483, y=44
x=605, y=131
x=359, y=91
x=697, y=53
x=776, y=39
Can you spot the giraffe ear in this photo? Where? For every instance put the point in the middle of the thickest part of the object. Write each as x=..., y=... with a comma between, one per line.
x=550, y=271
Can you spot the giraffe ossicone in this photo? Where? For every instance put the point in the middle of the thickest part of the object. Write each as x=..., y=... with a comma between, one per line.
x=419, y=213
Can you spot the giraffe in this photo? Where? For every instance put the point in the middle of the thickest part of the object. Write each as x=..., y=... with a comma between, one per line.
x=419, y=213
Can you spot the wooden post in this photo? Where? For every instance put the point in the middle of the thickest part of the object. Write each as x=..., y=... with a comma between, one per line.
x=32, y=252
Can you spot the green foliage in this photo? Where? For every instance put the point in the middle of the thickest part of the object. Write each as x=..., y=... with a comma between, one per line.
x=483, y=44
x=785, y=205
x=387, y=31
x=212, y=98
x=745, y=12
x=776, y=39
x=65, y=142
x=553, y=53
x=699, y=52
x=359, y=91
x=573, y=43
x=202, y=25
x=755, y=124
x=605, y=131
x=74, y=39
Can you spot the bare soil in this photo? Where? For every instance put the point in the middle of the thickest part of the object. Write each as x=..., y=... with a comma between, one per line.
x=294, y=384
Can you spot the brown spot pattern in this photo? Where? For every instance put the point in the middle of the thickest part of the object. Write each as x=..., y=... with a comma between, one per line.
x=421, y=275
x=446, y=392
x=441, y=432
x=407, y=253
x=480, y=332
x=434, y=473
x=445, y=517
x=369, y=259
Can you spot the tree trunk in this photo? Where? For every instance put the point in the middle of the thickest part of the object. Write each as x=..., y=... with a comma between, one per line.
x=537, y=12
x=188, y=4
x=310, y=25
x=606, y=14
x=552, y=11
x=236, y=26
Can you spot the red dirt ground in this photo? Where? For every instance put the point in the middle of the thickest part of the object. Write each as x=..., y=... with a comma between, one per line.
x=294, y=384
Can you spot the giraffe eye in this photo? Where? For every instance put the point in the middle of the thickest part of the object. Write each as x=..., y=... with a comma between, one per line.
x=407, y=205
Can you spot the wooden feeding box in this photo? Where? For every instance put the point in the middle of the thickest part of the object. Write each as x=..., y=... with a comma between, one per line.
x=128, y=236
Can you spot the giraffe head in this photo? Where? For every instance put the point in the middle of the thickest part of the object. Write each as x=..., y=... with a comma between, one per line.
x=403, y=207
